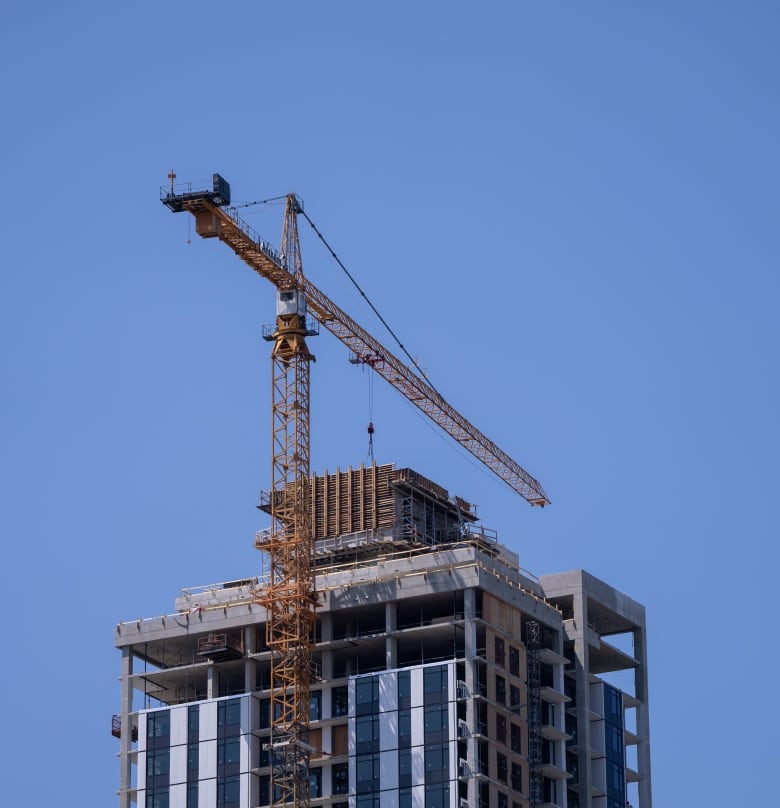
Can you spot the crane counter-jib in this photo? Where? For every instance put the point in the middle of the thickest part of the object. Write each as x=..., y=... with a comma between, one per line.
x=213, y=219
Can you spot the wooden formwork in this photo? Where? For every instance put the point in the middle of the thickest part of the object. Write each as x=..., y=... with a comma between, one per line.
x=352, y=500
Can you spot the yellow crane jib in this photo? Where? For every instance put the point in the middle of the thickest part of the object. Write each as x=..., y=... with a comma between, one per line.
x=210, y=205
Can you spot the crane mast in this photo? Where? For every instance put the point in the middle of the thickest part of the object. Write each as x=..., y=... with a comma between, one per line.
x=290, y=598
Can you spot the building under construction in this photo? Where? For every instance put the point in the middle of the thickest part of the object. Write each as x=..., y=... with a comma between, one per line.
x=442, y=675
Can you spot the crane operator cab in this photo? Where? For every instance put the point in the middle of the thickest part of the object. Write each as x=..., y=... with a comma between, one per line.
x=289, y=302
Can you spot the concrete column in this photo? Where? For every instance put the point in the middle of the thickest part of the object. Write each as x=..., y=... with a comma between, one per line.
x=391, y=643
x=326, y=635
x=582, y=665
x=211, y=684
x=250, y=673
x=470, y=644
x=126, y=736
x=642, y=718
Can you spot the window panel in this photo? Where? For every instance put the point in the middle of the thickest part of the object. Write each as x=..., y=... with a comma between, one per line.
x=340, y=778
x=435, y=679
x=514, y=697
x=229, y=713
x=315, y=705
x=158, y=798
x=499, y=652
x=339, y=701
x=436, y=717
x=158, y=725
x=500, y=690
x=315, y=783
x=516, y=739
x=517, y=777
x=158, y=763
x=501, y=728
x=228, y=791
x=501, y=767
x=514, y=661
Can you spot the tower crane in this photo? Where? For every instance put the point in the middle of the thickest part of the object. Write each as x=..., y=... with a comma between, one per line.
x=290, y=598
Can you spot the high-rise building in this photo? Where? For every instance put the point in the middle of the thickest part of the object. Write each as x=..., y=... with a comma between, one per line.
x=444, y=675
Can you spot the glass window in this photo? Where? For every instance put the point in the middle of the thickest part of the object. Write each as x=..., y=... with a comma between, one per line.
x=501, y=767
x=340, y=701
x=405, y=768
x=616, y=740
x=514, y=661
x=368, y=801
x=315, y=783
x=264, y=789
x=500, y=690
x=158, y=762
x=482, y=718
x=228, y=751
x=315, y=705
x=437, y=760
x=340, y=778
x=500, y=653
x=437, y=796
x=193, y=719
x=229, y=791
x=502, y=800
x=158, y=724
x=404, y=684
x=517, y=777
x=366, y=690
x=514, y=697
x=516, y=739
x=367, y=727
x=501, y=728
x=404, y=798
x=367, y=771
x=404, y=724
x=435, y=679
x=264, y=756
x=436, y=718
x=264, y=713
x=229, y=713
x=157, y=798
x=193, y=754
x=192, y=795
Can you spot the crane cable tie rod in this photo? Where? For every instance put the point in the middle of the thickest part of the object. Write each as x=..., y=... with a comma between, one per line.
x=258, y=202
x=373, y=307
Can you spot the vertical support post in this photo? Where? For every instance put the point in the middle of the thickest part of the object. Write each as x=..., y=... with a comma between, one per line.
x=126, y=729
x=582, y=689
x=642, y=719
x=391, y=643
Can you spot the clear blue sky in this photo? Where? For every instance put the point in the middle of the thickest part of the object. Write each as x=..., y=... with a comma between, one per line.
x=568, y=212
